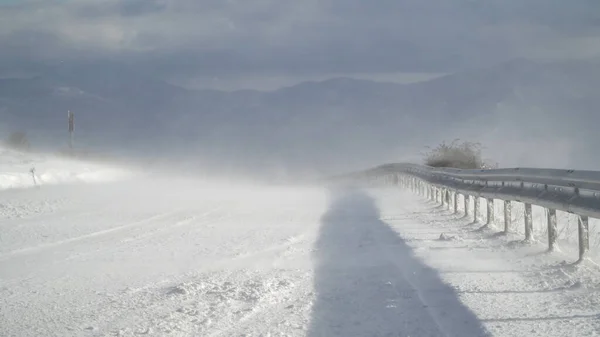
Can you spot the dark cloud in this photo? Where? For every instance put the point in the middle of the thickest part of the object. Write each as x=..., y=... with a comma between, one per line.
x=108, y=9
x=289, y=36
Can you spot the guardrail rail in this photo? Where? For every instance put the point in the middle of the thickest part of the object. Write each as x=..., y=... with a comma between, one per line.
x=576, y=192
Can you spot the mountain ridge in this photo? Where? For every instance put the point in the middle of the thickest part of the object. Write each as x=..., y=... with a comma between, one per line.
x=319, y=123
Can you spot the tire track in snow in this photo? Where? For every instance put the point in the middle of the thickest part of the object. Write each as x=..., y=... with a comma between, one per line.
x=294, y=291
x=271, y=306
x=190, y=219
x=279, y=289
x=46, y=246
x=187, y=221
x=136, y=299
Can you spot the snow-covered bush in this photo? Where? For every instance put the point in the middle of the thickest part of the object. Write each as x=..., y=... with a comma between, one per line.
x=458, y=154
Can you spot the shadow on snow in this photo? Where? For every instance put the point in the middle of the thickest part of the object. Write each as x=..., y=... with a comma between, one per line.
x=368, y=283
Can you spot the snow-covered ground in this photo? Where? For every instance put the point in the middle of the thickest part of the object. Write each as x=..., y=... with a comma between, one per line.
x=16, y=170
x=178, y=257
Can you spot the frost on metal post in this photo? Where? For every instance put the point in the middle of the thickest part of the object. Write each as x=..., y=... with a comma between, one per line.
x=584, y=236
x=507, y=215
x=443, y=197
x=528, y=223
x=552, y=229
x=476, y=208
x=455, y=202
x=490, y=211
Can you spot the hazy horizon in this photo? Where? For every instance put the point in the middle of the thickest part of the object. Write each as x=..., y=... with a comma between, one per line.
x=517, y=76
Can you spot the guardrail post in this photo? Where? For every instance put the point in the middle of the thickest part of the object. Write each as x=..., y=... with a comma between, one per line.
x=444, y=199
x=584, y=237
x=552, y=229
x=490, y=211
x=455, y=202
x=507, y=215
x=442, y=196
x=442, y=191
x=476, y=208
x=466, y=198
x=528, y=223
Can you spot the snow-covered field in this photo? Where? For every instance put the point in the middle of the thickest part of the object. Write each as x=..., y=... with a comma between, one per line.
x=16, y=170
x=178, y=257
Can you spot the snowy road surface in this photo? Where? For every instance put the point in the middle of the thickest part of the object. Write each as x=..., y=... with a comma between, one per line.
x=181, y=258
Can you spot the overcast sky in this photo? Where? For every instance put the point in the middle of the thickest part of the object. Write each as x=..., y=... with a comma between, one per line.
x=239, y=39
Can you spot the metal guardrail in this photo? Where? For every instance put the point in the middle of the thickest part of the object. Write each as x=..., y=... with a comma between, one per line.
x=571, y=191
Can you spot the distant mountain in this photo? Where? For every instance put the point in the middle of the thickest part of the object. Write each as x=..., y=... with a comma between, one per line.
x=329, y=125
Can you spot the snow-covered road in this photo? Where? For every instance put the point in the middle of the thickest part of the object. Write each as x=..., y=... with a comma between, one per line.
x=166, y=257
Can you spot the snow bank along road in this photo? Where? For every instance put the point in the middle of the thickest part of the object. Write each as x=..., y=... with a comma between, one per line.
x=178, y=258
x=15, y=170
